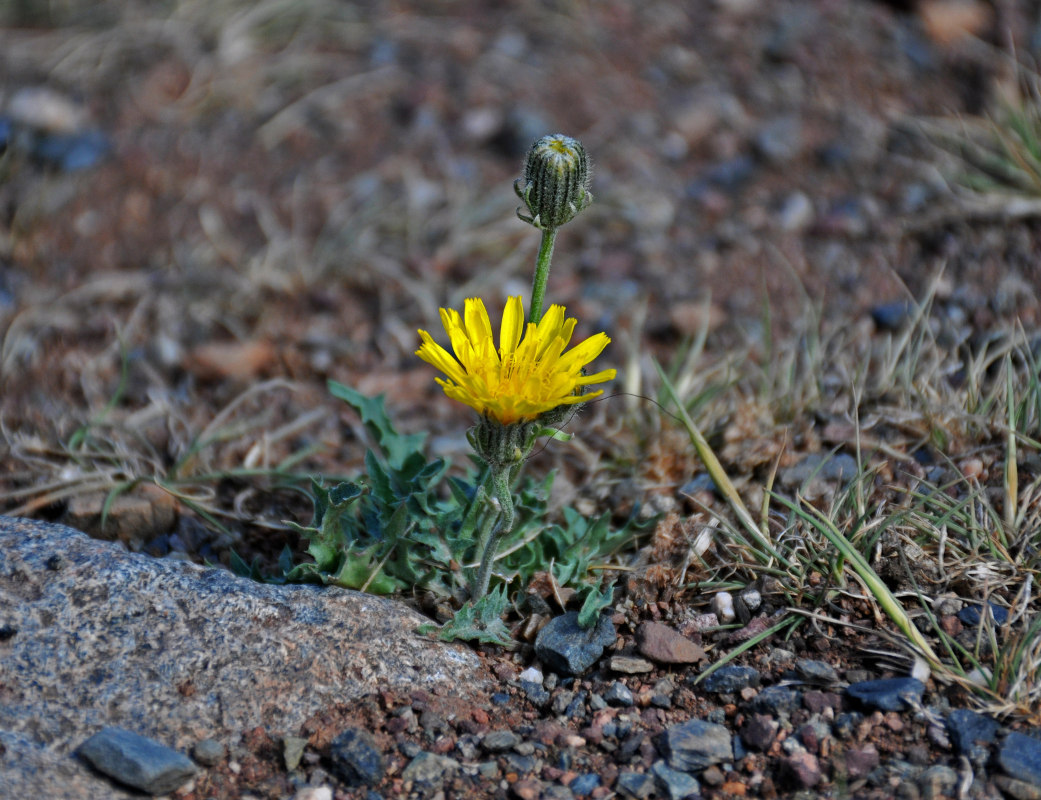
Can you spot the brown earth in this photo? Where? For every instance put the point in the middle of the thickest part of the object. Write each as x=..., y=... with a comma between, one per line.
x=291, y=192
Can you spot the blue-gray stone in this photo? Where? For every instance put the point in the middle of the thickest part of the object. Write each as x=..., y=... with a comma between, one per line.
x=777, y=700
x=780, y=139
x=846, y=724
x=618, y=694
x=888, y=694
x=429, y=770
x=136, y=761
x=702, y=482
x=818, y=672
x=971, y=733
x=893, y=316
x=938, y=780
x=1020, y=757
x=563, y=645
x=696, y=744
x=208, y=752
x=837, y=467
x=637, y=785
x=521, y=765
x=355, y=758
x=674, y=784
x=497, y=741
x=971, y=615
x=729, y=174
x=732, y=678
x=584, y=784
x=535, y=693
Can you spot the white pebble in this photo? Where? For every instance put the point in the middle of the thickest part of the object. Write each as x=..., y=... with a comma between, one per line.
x=531, y=675
x=753, y=599
x=314, y=793
x=723, y=606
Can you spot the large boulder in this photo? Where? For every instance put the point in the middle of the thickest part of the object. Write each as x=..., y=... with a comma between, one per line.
x=92, y=636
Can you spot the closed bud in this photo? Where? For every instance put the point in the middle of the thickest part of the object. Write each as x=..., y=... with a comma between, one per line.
x=555, y=186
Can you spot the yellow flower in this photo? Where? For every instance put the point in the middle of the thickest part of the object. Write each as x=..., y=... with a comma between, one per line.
x=528, y=375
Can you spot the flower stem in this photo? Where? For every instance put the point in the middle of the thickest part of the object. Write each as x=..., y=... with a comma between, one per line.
x=538, y=286
x=490, y=539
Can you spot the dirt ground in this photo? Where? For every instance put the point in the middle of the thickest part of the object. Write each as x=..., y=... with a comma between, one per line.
x=285, y=192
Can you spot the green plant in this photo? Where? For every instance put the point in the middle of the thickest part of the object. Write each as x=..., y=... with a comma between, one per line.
x=407, y=524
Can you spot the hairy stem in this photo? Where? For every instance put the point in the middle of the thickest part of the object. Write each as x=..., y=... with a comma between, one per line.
x=489, y=541
x=538, y=286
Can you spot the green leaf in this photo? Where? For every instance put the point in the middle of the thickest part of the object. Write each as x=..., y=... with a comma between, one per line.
x=396, y=447
x=480, y=621
x=594, y=603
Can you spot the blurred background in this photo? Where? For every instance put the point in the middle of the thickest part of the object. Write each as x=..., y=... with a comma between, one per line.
x=210, y=207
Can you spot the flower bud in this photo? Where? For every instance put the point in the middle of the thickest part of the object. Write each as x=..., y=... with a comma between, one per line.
x=555, y=186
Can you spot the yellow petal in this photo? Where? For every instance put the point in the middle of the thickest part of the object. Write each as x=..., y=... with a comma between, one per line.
x=478, y=326
x=512, y=326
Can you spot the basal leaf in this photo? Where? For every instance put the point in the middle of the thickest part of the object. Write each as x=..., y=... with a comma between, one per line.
x=396, y=447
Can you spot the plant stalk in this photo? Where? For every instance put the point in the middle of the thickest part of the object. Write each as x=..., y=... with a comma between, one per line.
x=489, y=543
x=538, y=286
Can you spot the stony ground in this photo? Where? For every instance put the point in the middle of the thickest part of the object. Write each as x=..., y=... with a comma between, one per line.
x=218, y=209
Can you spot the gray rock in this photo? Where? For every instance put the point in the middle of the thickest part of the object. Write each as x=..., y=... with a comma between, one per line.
x=178, y=652
x=796, y=213
x=209, y=752
x=759, y=731
x=937, y=782
x=1020, y=757
x=846, y=724
x=293, y=750
x=429, y=770
x=818, y=672
x=355, y=758
x=674, y=784
x=780, y=140
x=838, y=467
x=497, y=741
x=971, y=733
x=566, y=647
x=888, y=694
x=584, y=784
x=637, y=785
x=535, y=693
x=697, y=744
x=778, y=701
x=893, y=316
x=972, y=615
x=618, y=694
x=1020, y=790
x=136, y=761
x=731, y=678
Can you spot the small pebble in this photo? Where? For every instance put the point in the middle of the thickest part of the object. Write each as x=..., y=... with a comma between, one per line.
x=723, y=607
x=293, y=751
x=137, y=761
x=973, y=614
x=630, y=665
x=888, y=694
x=497, y=741
x=208, y=752
x=636, y=785
x=531, y=675
x=731, y=678
x=818, y=672
x=1020, y=757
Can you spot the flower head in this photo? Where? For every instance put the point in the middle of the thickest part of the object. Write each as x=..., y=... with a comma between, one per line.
x=555, y=186
x=528, y=375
